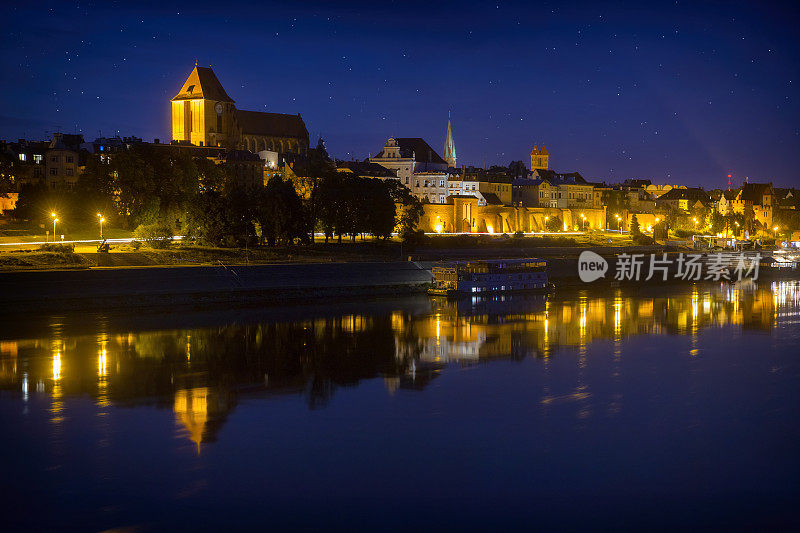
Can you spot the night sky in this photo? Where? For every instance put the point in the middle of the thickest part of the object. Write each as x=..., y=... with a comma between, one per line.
x=676, y=92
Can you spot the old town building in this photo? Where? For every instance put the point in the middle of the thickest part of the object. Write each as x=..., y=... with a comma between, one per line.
x=758, y=199
x=540, y=158
x=204, y=115
x=418, y=167
x=684, y=199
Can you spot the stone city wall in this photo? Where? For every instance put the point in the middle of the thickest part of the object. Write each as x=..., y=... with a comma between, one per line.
x=464, y=215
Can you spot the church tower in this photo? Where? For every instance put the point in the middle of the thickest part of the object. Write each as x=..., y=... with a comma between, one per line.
x=203, y=113
x=449, y=145
x=540, y=159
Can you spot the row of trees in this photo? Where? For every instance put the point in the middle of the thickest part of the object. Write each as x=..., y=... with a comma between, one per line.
x=168, y=191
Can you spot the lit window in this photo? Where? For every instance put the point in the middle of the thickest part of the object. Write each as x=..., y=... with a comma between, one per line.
x=22, y=157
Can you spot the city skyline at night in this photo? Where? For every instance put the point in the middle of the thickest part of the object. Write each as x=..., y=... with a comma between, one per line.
x=672, y=93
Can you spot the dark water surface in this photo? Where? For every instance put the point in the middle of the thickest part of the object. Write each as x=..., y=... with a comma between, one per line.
x=654, y=408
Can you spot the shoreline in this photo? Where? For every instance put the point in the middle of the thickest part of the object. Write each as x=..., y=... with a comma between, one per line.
x=161, y=286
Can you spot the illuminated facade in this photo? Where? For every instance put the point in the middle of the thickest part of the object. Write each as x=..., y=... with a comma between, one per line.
x=756, y=199
x=418, y=167
x=204, y=115
x=540, y=158
x=465, y=214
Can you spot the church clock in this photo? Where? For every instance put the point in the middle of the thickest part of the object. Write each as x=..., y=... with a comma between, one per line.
x=218, y=108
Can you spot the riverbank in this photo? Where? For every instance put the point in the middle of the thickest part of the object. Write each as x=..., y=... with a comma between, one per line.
x=110, y=288
x=131, y=282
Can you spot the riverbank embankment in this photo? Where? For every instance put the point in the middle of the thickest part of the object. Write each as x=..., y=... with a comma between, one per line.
x=254, y=284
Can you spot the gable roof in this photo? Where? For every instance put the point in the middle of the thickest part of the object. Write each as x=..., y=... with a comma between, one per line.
x=202, y=83
x=693, y=194
x=491, y=198
x=367, y=169
x=528, y=182
x=271, y=124
x=557, y=178
x=537, y=151
x=417, y=148
x=636, y=183
x=754, y=192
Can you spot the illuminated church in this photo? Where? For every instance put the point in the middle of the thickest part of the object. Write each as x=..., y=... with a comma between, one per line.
x=540, y=159
x=204, y=115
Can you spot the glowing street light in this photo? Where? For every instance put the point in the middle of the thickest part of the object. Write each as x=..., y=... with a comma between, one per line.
x=101, y=219
x=53, y=216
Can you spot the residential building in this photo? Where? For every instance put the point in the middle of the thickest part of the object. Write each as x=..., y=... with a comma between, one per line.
x=684, y=199
x=725, y=202
x=568, y=190
x=499, y=187
x=431, y=186
x=786, y=198
x=463, y=184
x=64, y=161
x=527, y=192
x=27, y=161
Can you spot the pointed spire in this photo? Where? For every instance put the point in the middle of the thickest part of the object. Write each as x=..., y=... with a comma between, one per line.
x=449, y=145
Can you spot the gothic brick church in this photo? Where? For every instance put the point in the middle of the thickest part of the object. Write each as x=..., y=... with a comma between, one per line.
x=204, y=115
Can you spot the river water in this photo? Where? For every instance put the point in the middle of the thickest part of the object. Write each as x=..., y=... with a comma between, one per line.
x=647, y=408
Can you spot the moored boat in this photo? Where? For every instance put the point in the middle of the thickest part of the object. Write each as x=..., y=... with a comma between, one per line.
x=489, y=276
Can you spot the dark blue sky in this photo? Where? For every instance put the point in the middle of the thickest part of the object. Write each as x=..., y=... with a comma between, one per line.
x=678, y=92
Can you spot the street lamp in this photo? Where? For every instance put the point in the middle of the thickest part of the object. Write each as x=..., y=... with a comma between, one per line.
x=619, y=223
x=55, y=219
x=101, y=227
x=583, y=222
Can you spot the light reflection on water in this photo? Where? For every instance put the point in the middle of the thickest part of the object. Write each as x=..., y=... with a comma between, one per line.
x=406, y=348
x=202, y=374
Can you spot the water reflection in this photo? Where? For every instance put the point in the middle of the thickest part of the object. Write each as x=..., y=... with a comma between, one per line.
x=201, y=374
